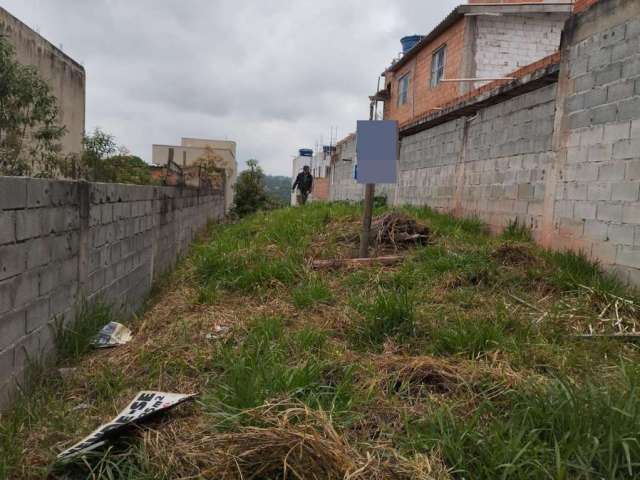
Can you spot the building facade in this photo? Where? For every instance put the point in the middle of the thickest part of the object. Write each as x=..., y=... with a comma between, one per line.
x=65, y=76
x=193, y=150
x=481, y=40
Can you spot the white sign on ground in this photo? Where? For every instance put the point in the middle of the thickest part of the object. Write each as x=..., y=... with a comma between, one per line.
x=142, y=407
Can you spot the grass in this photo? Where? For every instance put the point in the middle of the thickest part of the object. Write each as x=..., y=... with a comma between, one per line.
x=458, y=363
x=561, y=430
x=312, y=293
x=389, y=315
x=73, y=340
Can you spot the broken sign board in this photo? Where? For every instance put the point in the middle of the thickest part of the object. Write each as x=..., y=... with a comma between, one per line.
x=112, y=335
x=377, y=151
x=141, y=408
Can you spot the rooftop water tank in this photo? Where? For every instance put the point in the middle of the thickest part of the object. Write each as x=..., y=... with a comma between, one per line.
x=305, y=152
x=409, y=42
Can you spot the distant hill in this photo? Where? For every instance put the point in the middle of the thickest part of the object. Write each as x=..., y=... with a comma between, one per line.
x=279, y=187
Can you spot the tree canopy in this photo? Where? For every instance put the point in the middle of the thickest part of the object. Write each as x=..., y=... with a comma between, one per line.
x=29, y=130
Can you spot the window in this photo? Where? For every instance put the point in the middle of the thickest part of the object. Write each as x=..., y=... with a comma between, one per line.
x=437, y=66
x=403, y=90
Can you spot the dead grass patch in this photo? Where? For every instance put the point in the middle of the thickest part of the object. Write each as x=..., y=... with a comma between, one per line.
x=296, y=443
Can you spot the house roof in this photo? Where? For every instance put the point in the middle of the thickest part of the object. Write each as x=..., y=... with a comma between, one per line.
x=481, y=9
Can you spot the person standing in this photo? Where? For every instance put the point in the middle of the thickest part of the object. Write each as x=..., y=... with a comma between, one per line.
x=304, y=183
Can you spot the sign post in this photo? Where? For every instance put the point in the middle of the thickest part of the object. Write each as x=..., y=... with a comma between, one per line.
x=377, y=152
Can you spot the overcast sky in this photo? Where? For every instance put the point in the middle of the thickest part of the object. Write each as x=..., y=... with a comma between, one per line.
x=272, y=75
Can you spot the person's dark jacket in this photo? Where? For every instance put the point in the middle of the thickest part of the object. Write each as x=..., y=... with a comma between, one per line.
x=304, y=181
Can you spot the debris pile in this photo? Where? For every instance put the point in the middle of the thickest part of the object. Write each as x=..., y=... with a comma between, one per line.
x=397, y=230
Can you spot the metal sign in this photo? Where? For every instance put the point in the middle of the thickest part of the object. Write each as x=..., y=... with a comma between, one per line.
x=377, y=150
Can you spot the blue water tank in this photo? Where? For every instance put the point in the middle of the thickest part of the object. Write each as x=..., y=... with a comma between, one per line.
x=409, y=42
x=305, y=152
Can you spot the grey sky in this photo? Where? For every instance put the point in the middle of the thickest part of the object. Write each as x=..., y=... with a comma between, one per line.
x=271, y=75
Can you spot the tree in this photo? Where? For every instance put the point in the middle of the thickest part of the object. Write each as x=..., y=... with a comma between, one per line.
x=29, y=130
x=250, y=193
x=104, y=161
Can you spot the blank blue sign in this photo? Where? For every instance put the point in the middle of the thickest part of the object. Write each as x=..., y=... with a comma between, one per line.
x=377, y=149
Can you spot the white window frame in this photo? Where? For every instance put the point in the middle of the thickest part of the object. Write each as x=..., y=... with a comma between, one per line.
x=403, y=93
x=438, y=64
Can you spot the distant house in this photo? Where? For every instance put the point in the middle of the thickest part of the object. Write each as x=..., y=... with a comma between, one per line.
x=193, y=150
x=65, y=76
x=475, y=44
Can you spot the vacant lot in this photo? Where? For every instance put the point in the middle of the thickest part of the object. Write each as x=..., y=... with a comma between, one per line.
x=465, y=361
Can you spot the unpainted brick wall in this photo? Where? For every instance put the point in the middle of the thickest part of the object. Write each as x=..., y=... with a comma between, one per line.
x=63, y=241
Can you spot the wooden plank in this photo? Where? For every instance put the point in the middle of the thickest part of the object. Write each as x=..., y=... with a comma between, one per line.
x=356, y=262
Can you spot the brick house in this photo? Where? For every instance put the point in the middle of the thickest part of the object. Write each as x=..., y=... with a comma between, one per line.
x=480, y=40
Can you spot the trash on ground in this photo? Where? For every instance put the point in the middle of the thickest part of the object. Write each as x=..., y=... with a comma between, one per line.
x=141, y=408
x=219, y=332
x=356, y=262
x=112, y=335
x=67, y=373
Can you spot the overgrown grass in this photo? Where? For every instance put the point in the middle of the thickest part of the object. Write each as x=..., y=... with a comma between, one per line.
x=516, y=232
x=73, y=339
x=561, y=430
x=462, y=354
x=312, y=292
x=390, y=314
x=272, y=363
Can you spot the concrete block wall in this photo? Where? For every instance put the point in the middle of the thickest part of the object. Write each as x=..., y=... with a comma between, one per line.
x=598, y=187
x=502, y=44
x=342, y=186
x=508, y=151
x=63, y=241
x=563, y=158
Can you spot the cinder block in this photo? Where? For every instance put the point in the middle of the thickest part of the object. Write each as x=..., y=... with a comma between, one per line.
x=596, y=230
x=605, y=252
x=580, y=119
x=600, y=153
x=6, y=362
x=38, y=252
x=12, y=328
x=38, y=192
x=605, y=114
x=609, y=74
x=584, y=210
x=13, y=193
x=633, y=170
x=612, y=172
x=28, y=224
x=37, y=315
x=628, y=256
x=620, y=90
x=631, y=213
x=596, y=97
x=626, y=149
x=614, y=132
x=585, y=82
x=25, y=288
x=609, y=212
x=592, y=136
x=625, y=191
x=7, y=226
x=621, y=234
x=629, y=109
x=12, y=260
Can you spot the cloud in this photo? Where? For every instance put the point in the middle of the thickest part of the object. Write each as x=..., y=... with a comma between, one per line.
x=273, y=76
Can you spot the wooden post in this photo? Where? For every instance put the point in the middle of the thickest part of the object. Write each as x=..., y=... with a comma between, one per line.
x=369, y=195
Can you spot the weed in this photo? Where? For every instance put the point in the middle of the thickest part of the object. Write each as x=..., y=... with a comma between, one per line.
x=469, y=229
x=516, y=232
x=268, y=363
x=390, y=314
x=311, y=293
x=562, y=430
x=74, y=340
x=474, y=337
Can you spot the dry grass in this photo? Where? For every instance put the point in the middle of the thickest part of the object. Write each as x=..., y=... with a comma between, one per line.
x=295, y=442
